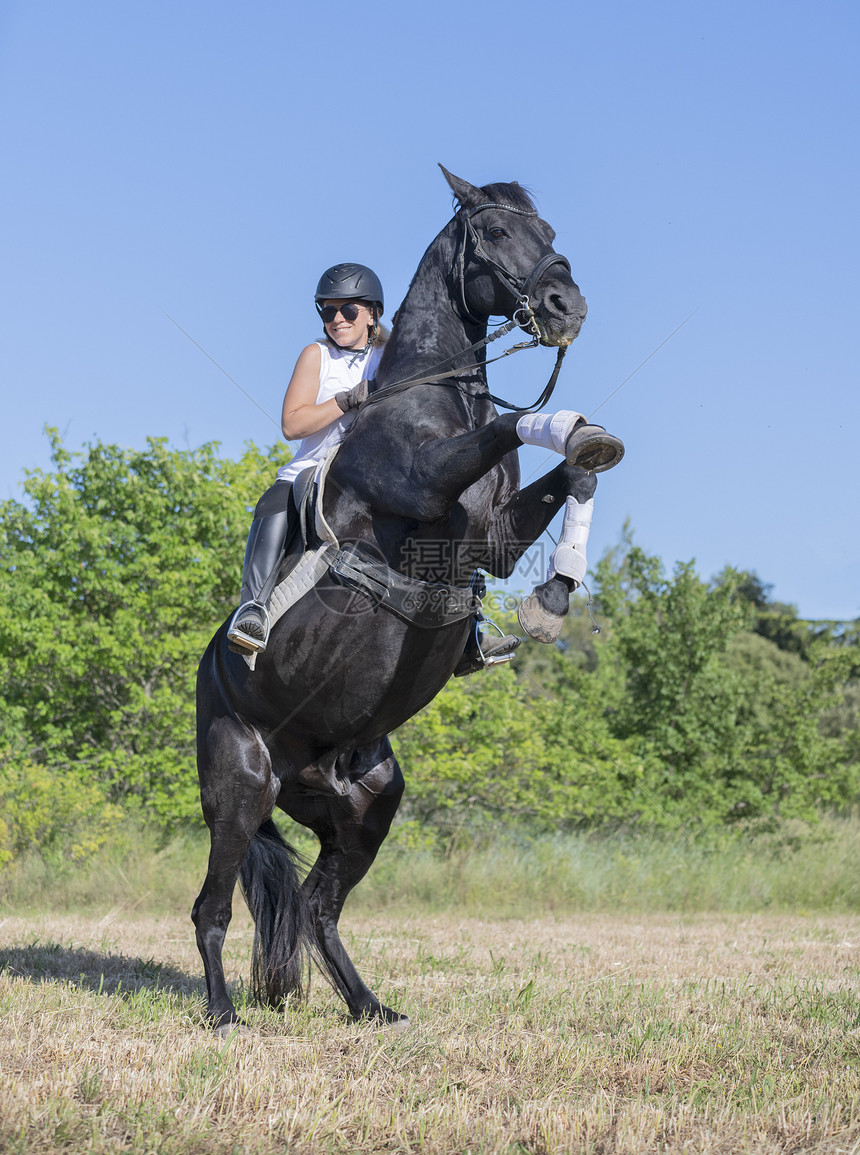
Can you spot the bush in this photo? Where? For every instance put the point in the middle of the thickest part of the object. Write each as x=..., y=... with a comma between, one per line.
x=61, y=816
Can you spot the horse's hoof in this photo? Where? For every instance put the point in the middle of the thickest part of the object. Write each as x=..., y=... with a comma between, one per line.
x=389, y=1020
x=226, y=1024
x=228, y=1030
x=401, y=1023
x=591, y=448
x=383, y=1018
x=537, y=622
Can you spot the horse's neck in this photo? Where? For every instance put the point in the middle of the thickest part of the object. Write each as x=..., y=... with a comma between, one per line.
x=429, y=329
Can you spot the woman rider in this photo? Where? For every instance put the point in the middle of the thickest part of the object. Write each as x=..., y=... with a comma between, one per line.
x=328, y=383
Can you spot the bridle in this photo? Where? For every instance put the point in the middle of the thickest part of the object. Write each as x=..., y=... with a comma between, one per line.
x=521, y=288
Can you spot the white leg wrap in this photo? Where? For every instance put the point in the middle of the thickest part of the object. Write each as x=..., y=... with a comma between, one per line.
x=549, y=430
x=568, y=557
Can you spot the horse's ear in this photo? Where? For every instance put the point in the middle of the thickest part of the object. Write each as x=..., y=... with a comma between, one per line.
x=468, y=196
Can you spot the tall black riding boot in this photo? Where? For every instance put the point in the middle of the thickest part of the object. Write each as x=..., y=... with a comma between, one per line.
x=249, y=629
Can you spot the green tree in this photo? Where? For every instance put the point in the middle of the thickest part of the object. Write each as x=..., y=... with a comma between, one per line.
x=115, y=570
x=118, y=565
x=672, y=697
x=779, y=622
x=729, y=729
x=527, y=744
x=795, y=766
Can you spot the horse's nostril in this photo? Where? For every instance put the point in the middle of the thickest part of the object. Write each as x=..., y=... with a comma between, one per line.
x=566, y=307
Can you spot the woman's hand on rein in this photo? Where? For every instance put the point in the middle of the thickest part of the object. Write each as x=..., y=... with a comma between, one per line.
x=352, y=398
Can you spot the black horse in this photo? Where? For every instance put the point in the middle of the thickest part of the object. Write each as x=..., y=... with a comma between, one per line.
x=427, y=482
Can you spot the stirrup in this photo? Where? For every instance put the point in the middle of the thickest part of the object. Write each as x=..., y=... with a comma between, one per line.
x=248, y=631
x=593, y=449
x=485, y=650
x=496, y=650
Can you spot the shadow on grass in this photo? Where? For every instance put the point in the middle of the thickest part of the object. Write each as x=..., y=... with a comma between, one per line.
x=127, y=978
x=89, y=970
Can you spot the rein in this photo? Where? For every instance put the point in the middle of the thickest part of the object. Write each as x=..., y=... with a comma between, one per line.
x=524, y=318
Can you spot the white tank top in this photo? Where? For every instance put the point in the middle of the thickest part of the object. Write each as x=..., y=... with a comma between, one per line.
x=339, y=369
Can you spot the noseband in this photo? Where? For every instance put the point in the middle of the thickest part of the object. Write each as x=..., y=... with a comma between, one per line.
x=520, y=288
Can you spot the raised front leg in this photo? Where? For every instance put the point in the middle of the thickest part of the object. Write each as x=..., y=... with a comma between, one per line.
x=413, y=472
x=519, y=522
x=351, y=828
x=588, y=446
x=453, y=464
x=443, y=467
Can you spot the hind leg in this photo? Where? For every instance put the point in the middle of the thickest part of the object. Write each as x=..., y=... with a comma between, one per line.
x=351, y=828
x=238, y=793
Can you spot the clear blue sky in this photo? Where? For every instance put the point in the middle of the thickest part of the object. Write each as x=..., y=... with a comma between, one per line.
x=208, y=160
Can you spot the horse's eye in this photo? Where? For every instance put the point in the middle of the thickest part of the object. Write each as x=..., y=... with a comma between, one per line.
x=497, y=234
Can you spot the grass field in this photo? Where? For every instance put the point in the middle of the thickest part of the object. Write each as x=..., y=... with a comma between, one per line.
x=589, y=1033
x=795, y=870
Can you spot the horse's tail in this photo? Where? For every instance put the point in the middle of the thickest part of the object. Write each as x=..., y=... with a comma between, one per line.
x=280, y=962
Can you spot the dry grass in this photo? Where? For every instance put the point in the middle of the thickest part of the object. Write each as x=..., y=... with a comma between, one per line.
x=591, y=1033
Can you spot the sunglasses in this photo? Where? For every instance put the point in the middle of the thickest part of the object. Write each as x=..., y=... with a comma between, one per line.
x=349, y=312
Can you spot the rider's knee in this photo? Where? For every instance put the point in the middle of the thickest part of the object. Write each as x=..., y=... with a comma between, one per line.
x=276, y=499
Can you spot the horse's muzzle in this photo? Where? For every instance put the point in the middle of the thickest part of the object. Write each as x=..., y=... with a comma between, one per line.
x=560, y=329
x=560, y=312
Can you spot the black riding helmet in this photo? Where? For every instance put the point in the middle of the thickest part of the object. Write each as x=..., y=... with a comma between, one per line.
x=350, y=282
x=354, y=283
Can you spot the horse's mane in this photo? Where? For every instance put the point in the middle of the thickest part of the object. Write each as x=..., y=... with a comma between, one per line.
x=509, y=194
x=500, y=192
